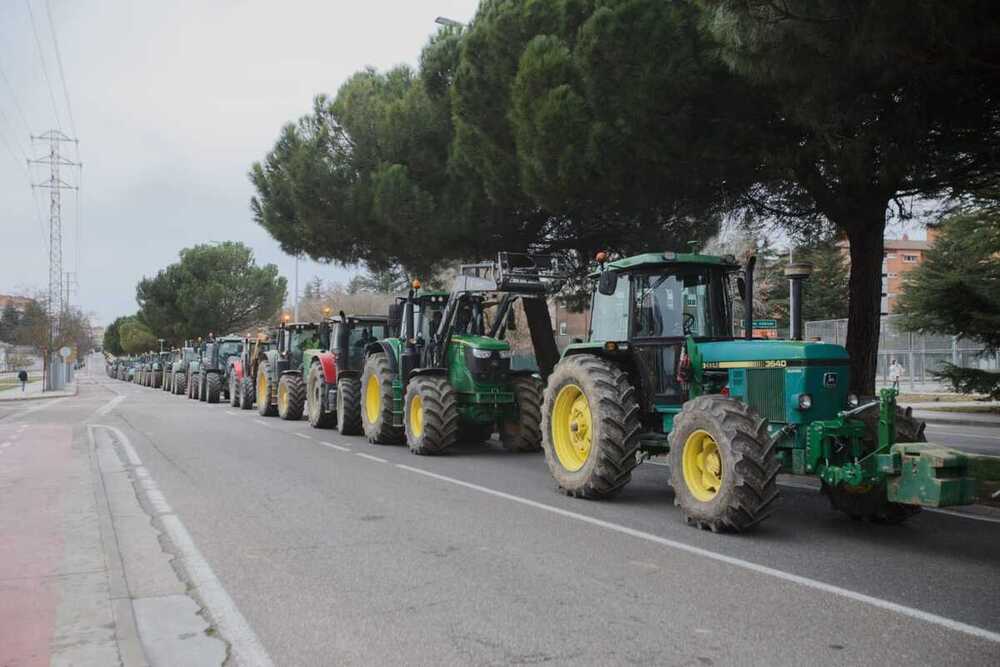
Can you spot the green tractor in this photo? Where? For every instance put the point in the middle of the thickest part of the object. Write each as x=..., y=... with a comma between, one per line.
x=281, y=387
x=662, y=374
x=213, y=365
x=333, y=383
x=178, y=371
x=447, y=377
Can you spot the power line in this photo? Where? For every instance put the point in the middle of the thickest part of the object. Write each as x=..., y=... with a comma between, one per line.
x=45, y=70
x=62, y=75
x=17, y=105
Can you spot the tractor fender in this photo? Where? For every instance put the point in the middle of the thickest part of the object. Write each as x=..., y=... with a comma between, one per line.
x=425, y=372
x=379, y=346
x=237, y=370
x=329, y=364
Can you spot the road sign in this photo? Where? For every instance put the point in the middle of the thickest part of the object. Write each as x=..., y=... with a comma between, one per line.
x=64, y=352
x=765, y=324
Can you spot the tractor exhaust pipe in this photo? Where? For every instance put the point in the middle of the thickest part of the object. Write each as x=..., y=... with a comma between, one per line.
x=748, y=297
x=797, y=273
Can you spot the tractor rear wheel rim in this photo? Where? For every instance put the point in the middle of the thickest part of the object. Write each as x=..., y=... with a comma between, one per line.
x=417, y=416
x=702, y=464
x=262, y=388
x=282, y=397
x=572, y=427
x=373, y=399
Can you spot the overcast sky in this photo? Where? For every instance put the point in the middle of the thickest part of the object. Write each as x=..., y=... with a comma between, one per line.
x=172, y=102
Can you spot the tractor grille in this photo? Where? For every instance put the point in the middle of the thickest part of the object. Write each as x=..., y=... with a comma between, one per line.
x=766, y=392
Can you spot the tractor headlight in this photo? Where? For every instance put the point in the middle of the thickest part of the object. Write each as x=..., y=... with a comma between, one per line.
x=805, y=401
x=506, y=354
x=482, y=354
x=853, y=401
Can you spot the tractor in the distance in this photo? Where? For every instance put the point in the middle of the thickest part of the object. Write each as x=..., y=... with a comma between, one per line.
x=243, y=369
x=662, y=373
x=213, y=366
x=178, y=371
x=447, y=376
x=281, y=387
x=333, y=382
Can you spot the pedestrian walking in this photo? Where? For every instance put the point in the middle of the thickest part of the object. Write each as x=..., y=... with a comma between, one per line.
x=22, y=375
x=896, y=371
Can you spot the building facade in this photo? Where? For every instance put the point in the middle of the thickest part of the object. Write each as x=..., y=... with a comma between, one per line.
x=899, y=256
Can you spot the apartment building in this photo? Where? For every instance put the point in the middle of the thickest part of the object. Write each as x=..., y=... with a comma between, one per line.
x=899, y=257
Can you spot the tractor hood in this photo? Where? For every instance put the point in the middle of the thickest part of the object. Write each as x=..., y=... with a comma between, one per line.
x=480, y=342
x=725, y=353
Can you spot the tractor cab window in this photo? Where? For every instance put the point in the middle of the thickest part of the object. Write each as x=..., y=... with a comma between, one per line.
x=609, y=313
x=686, y=302
x=230, y=348
x=427, y=318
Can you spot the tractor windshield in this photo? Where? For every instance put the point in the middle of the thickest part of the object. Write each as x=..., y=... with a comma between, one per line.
x=230, y=348
x=427, y=318
x=688, y=301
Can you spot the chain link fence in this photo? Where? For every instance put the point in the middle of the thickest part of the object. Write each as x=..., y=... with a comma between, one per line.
x=917, y=354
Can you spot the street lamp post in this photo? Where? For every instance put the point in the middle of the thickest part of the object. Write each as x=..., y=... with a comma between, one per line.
x=451, y=23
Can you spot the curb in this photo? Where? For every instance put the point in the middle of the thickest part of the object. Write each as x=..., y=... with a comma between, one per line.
x=44, y=396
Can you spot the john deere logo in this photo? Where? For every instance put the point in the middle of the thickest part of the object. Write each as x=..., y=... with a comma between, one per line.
x=830, y=380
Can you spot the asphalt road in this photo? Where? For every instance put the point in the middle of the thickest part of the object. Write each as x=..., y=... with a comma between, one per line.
x=340, y=552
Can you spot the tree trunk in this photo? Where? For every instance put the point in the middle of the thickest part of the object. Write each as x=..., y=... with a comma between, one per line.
x=865, y=299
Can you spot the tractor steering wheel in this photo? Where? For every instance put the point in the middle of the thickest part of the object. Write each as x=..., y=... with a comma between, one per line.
x=688, y=323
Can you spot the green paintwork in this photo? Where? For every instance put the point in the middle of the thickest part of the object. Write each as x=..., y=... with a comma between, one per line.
x=740, y=349
x=928, y=475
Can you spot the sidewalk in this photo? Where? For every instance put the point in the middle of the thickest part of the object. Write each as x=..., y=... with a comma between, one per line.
x=942, y=414
x=34, y=391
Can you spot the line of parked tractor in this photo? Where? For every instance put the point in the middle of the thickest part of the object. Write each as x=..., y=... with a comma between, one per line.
x=661, y=374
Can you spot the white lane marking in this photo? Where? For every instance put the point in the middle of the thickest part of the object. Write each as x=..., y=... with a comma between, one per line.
x=339, y=448
x=918, y=614
x=109, y=406
x=963, y=515
x=963, y=434
x=234, y=414
x=303, y=435
x=47, y=403
x=261, y=422
x=370, y=457
x=244, y=645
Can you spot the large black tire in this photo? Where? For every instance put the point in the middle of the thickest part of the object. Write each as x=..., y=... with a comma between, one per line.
x=316, y=391
x=291, y=396
x=377, y=401
x=266, y=392
x=736, y=452
x=180, y=383
x=870, y=502
x=234, y=390
x=349, y=406
x=595, y=458
x=430, y=414
x=470, y=433
x=248, y=393
x=203, y=387
x=213, y=388
x=192, y=386
x=524, y=434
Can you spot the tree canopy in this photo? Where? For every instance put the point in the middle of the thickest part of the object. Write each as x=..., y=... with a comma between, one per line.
x=577, y=125
x=213, y=288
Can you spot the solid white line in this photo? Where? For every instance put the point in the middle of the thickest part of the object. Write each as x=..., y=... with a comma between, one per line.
x=963, y=435
x=963, y=515
x=339, y=448
x=234, y=414
x=918, y=614
x=109, y=406
x=370, y=457
x=244, y=645
x=303, y=435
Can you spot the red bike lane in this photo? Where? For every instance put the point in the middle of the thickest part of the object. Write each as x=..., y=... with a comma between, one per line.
x=34, y=466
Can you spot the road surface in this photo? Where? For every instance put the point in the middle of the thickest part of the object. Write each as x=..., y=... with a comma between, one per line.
x=334, y=551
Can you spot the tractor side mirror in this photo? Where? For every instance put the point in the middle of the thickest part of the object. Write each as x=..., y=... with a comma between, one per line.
x=741, y=287
x=607, y=283
x=511, y=319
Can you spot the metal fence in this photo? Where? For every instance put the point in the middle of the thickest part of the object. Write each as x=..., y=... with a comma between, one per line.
x=918, y=354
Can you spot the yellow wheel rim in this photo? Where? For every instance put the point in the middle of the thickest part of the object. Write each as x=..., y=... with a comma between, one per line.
x=702, y=463
x=416, y=416
x=572, y=427
x=262, y=388
x=373, y=399
x=282, y=396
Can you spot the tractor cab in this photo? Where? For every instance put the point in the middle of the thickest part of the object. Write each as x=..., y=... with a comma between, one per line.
x=294, y=338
